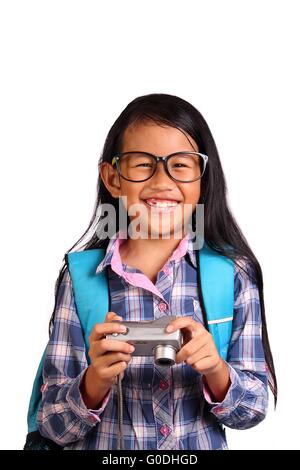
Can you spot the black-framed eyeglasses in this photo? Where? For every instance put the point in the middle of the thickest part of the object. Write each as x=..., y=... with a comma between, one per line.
x=184, y=167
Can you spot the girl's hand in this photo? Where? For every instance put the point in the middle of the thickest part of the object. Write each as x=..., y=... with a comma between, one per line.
x=109, y=358
x=198, y=348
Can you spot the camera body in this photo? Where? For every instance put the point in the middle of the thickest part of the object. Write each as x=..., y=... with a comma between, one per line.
x=150, y=339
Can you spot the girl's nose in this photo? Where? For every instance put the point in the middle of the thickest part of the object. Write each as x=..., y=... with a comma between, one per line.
x=161, y=181
x=161, y=174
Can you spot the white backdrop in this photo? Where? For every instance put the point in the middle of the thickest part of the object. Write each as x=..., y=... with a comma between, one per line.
x=68, y=68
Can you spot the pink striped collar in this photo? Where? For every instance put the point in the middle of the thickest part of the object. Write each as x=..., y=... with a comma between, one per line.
x=139, y=279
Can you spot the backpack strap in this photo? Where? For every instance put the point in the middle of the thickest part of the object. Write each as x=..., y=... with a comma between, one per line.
x=217, y=282
x=90, y=290
x=91, y=297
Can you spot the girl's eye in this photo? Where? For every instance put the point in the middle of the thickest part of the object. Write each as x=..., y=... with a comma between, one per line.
x=144, y=164
x=179, y=165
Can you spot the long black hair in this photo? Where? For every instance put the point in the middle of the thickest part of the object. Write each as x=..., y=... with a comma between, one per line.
x=220, y=228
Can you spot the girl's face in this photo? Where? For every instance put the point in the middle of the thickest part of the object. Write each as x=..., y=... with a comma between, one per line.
x=161, y=141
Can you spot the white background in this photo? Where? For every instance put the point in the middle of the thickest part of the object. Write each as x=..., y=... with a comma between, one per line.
x=68, y=69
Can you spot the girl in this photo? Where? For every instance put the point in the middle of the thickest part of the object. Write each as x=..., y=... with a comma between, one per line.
x=184, y=406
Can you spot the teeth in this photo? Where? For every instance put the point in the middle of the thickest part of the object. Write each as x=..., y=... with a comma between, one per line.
x=159, y=203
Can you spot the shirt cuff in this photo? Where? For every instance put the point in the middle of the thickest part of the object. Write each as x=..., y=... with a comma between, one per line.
x=234, y=395
x=77, y=405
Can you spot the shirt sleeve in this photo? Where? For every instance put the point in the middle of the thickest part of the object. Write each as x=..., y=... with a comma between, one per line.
x=246, y=401
x=63, y=416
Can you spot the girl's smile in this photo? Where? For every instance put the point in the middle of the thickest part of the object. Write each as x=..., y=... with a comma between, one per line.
x=158, y=205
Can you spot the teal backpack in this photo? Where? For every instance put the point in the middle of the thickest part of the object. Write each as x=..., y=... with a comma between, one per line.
x=92, y=302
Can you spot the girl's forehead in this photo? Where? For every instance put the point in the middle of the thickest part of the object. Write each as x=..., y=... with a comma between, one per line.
x=156, y=138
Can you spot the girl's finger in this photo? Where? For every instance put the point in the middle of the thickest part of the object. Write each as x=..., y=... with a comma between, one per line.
x=110, y=316
x=111, y=358
x=101, y=329
x=185, y=322
x=109, y=373
x=204, y=366
x=190, y=348
x=115, y=379
x=198, y=355
x=98, y=348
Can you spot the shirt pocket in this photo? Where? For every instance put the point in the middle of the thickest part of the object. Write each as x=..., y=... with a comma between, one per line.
x=187, y=306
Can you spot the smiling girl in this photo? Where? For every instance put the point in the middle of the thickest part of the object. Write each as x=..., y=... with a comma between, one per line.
x=161, y=158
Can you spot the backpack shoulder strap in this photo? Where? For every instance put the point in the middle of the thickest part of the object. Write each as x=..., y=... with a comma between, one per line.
x=91, y=298
x=90, y=290
x=217, y=282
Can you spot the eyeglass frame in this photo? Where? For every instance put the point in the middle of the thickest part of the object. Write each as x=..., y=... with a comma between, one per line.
x=117, y=157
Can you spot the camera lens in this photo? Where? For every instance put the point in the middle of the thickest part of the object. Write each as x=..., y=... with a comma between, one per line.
x=164, y=362
x=164, y=355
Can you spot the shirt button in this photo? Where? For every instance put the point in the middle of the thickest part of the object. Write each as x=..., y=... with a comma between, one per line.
x=163, y=384
x=165, y=430
x=94, y=418
x=162, y=306
x=217, y=409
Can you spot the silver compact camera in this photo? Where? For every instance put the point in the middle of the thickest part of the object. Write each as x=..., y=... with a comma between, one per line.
x=150, y=339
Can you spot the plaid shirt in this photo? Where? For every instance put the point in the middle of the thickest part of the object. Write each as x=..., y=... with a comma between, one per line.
x=164, y=408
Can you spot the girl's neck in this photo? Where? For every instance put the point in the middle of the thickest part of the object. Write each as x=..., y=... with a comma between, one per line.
x=148, y=251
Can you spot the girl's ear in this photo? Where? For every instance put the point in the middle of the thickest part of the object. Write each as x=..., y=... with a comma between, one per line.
x=110, y=178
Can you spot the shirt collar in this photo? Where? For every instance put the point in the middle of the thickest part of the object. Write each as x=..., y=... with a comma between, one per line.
x=184, y=247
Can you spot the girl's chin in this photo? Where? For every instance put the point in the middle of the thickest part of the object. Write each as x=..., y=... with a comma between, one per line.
x=166, y=222
x=159, y=229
